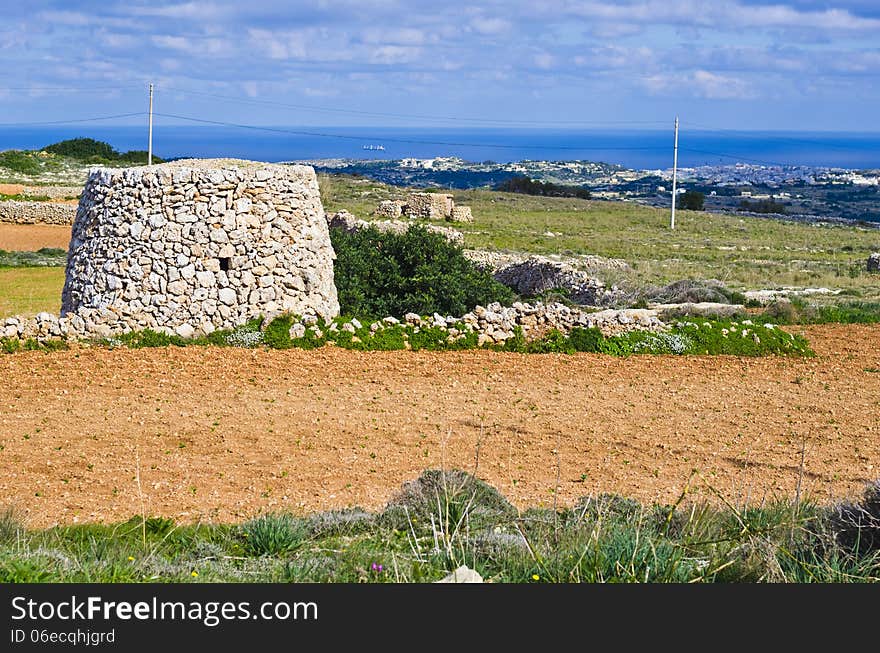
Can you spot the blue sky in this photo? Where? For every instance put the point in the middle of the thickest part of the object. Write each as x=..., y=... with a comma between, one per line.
x=738, y=64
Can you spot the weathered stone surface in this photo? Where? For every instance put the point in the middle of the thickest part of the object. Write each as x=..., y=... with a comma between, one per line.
x=698, y=309
x=437, y=206
x=36, y=212
x=179, y=247
x=463, y=574
x=391, y=209
x=536, y=274
x=461, y=214
x=349, y=222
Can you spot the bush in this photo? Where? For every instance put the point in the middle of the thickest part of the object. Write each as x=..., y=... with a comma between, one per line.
x=856, y=526
x=527, y=186
x=273, y=534
x=447, y=495
x=691, y=200
x=89, y=150
x=379, y=274
x=18, y=161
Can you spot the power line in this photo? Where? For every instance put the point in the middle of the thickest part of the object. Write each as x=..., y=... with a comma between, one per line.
x=76, y=120
x=772, y=137
x=403, y=140
x=382, y=114
x=68, y=88
x=742, y=158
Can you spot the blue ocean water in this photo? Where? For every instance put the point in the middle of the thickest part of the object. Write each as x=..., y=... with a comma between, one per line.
x=641, y=149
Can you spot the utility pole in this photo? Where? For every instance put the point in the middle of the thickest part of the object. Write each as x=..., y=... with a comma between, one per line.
x=150, y=145
x=674, y=175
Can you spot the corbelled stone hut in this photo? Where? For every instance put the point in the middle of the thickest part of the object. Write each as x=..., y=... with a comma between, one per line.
x=196, y=245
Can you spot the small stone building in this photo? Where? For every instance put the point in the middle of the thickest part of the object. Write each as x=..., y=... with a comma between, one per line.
x=197, y=245
x=432, y=206
x=429, y=205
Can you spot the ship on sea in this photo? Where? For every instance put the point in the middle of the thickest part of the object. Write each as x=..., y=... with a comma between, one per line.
x=375, y=147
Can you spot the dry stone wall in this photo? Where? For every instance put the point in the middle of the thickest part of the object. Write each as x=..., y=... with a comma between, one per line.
x=350, y=223
x=196, y=245
x=37, y=212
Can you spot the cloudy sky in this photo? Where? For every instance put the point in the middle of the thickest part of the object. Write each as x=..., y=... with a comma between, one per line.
x=739, y=64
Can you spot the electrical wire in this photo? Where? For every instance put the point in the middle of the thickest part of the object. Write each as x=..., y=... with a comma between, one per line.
x=403, y=140
x=75, y=120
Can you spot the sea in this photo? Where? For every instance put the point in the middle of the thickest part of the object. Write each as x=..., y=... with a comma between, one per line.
x=636, y=149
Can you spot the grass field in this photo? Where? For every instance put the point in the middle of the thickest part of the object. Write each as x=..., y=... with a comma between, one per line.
x=443, y=520
x=744, y=253
x=29, y=290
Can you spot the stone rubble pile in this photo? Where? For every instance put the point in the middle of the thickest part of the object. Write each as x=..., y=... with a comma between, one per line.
x=495, y=324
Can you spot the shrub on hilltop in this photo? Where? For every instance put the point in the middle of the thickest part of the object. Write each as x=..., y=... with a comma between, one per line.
x=91, y=151
x=418, y=271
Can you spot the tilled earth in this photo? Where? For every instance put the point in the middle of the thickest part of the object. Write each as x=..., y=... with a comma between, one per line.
x=223, y=434
x=31, y=237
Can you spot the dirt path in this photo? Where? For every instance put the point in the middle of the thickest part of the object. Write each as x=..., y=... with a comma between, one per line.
x=221, y=434
x=31, y=237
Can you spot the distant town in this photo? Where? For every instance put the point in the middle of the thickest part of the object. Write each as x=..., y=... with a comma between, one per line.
x=798, y=192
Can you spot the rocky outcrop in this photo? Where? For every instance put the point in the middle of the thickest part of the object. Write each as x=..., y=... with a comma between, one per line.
x=196, y=245
x=538, y=274
x=17, y=212
x=873, y=263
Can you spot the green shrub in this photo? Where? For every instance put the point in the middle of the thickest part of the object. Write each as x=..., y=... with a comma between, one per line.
x=273, y=534
x=379, y=274
x=447, y=495
x=150, y=338
x=277, y=333
x=586, y=340
x=18, y=161
x=89, y=150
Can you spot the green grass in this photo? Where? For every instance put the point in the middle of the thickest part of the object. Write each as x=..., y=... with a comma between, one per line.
x=704, y=337
x=446, y=519
x=30, y=290
x=44, y=257
x=744, y=253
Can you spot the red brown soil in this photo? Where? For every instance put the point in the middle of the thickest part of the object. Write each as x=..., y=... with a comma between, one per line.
x=221, y=434
x=31, y=237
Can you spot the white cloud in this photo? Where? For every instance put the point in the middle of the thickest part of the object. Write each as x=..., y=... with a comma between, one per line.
x=393, y=36
x=544, y=60
x=726, y=15
x=720, y=87
x=279, y=45
x=490, y=26
x=200, y=10
x=394, y=54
